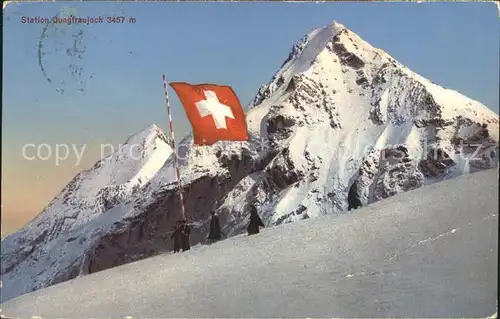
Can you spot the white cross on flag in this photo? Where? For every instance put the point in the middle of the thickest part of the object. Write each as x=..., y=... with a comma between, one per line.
x=214, y=111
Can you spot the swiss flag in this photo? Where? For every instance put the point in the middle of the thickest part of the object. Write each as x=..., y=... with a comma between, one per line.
x=214, y=111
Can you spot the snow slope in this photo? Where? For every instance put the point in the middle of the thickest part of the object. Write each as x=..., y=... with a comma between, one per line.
x=339, y=117
x=32, y=252
x=430, y=252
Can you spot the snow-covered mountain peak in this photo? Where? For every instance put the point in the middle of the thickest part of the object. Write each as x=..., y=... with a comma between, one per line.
x=148, y=135
x=91, y=193
x=341, y=123
x=337, y=24
x=332, y=59
x=136, y=161
x=334, y=112
x=302, y=55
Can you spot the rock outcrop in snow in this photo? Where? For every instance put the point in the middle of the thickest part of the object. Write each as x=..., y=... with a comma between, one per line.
x=338, y=117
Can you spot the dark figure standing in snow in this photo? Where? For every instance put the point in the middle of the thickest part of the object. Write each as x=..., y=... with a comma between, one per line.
x=255, y=222
x=185, y=233
x=353, y=198
x=176, y=237
x=215, y=233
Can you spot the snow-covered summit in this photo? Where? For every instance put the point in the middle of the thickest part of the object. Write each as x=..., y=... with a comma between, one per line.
x=90, y=194
x=111, y=179
x=341, y=123
x=342, y=114
x=301, y=57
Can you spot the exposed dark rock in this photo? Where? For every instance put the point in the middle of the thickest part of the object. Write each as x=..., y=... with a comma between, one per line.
x=149, y=233
x=279, y=123
x=346, y=57
x=362, y=81
x=436, y=162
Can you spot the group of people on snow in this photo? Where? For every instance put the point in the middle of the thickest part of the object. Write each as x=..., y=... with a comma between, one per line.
x=182, y=231
x=180, y=236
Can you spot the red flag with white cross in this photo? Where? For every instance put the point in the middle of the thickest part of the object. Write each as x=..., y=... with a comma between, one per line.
x=214, y=111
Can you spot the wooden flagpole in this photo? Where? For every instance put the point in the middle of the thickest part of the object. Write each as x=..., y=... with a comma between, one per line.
x=165, y=85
